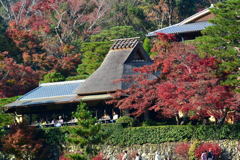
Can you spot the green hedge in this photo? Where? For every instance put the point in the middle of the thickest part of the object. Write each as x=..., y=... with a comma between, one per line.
x=115, y=134
x=158, y=134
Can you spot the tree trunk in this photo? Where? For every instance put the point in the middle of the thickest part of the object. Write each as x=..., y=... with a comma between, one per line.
x=222, y=120
x=177, y=119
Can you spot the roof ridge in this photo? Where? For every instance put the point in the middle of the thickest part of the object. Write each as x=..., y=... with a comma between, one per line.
x=62, y=82
x=125, y=38
x=196, y=15
x=125, y=43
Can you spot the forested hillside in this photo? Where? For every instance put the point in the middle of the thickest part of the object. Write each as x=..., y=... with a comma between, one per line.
x=57, y=40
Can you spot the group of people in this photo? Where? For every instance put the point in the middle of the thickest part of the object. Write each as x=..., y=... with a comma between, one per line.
x=207, y=155
x=56, y=122
x=204, y=156
x=139, y=157
x=107, y=119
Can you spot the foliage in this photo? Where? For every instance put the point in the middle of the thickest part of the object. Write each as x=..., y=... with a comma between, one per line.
x=147, y=45
x=191, y=152
x=182, y=149
x=128, y=13
x=86, y=135
x=173, y=133
x=6, y=119
x=222, y=41
x=215, y=148
x=115, y=32
x=98, y=157
x=181, y=82
x=53, y=77
x=125, y=120
x=63, y=158
x=16, y=79
x=149, y=123
x=58, y=23
x=23, y=142
x=5, y=43
x=93, y=54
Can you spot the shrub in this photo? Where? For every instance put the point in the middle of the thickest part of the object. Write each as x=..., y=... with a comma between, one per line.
x=126, y=120
x=149, y=123
x=215, y=148
x=191, y=151
x=182, y=150
x=62, y=157
x=98, y=157
x=115, y=134
x=120, y=156
x=24, y=142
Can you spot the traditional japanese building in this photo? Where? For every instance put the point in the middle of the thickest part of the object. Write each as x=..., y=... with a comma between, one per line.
x=189, y=28
x=124, y=55
x=61, y=98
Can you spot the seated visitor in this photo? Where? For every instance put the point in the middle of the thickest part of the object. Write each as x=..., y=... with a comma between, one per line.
x=59, y=122
x=105, y=118
x=115, y=117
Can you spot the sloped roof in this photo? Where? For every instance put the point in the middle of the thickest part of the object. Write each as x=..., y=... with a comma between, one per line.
x=57, y=92
x=186, y=26
x=114, y=67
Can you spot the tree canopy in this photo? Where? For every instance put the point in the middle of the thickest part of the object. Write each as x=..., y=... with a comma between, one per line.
x=178, y=82
x=222, y=41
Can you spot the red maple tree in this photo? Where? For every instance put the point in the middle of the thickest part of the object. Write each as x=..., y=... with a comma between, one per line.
x=16, y=79
x=23, y=142
x=213, y=147
x=178, y=81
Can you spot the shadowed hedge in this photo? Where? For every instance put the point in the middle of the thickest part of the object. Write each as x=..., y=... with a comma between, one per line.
x=115, y=134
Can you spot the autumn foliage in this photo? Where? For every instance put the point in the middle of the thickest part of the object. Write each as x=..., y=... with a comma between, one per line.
x=178, y=81
x=182, y=150
x=98, y=157
x=213, y=147
x=16, y=79
x=23, y=142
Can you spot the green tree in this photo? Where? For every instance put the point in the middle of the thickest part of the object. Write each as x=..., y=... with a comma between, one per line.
x=86, y=135
x=147, y=45
x=128, y=13
x=93, y=54
x=222, y=41
x=53, y=77
x=6, y=119
x=115, y=33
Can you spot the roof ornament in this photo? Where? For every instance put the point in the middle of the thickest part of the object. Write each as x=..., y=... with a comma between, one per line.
x=125, y=43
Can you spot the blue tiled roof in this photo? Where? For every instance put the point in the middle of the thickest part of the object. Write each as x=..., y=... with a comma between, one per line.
x=49, y=93
x=52, y=90
x=175, y=29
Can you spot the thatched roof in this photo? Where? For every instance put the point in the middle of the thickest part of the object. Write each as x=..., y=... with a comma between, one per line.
x=124, y=55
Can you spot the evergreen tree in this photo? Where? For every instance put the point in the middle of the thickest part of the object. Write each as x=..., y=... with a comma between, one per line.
x=222, y=40
x=86, y=135
x=53, y=77
x=6, y=119
x=115, y=33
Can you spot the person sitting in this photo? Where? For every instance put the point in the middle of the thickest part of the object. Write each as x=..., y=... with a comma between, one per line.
x=105, y=118
x=59, y=122
x=115, y=117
